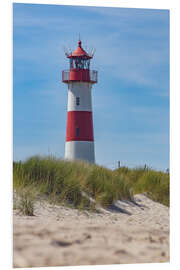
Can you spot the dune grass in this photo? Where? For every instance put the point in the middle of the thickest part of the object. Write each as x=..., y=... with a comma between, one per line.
x=62, y=181
x=143, y=179
x=24, y=203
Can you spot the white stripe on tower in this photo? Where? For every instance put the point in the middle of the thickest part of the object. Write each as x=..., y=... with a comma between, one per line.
x=81, y=150
x=81, y=90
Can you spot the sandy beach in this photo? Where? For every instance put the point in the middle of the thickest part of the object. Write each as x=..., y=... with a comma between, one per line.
x=60, y=236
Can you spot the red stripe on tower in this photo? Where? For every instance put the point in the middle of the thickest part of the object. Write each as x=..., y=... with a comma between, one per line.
x=79, y=126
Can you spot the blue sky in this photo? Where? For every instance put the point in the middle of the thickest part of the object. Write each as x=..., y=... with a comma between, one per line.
x=131, y=99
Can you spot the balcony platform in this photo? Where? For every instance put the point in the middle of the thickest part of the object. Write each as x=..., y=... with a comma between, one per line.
x=79, y=75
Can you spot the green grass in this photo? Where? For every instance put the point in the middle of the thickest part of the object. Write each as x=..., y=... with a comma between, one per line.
x=24, y=200
x=154, y=183
x=62, y=181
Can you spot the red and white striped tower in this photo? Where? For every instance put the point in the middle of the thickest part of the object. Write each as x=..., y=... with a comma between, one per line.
x=79, y=132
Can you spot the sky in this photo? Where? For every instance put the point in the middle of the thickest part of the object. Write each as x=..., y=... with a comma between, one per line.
x=130, y=100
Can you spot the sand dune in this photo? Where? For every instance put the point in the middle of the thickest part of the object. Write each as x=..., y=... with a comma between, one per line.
x=58, y=236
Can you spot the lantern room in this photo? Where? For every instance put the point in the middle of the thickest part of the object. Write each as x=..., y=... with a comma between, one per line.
x=79, y=67
x=79, y=59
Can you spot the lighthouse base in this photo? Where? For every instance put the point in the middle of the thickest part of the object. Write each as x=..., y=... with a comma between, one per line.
x=80, y=150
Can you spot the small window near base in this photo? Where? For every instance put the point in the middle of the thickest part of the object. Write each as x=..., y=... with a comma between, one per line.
x=77, y=131
x=77, y=101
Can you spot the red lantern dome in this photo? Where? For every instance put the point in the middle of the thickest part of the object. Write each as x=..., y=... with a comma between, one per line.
x=79, y=52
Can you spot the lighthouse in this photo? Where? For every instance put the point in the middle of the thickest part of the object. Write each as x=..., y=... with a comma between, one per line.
x=79, y=130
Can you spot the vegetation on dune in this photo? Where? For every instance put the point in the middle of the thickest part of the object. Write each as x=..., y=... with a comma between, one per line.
x=23, y=201
x=154, y=183
x=63, y=181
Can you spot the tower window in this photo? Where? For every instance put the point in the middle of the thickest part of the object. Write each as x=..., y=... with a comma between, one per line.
x=77, y=101
x=77, y=131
